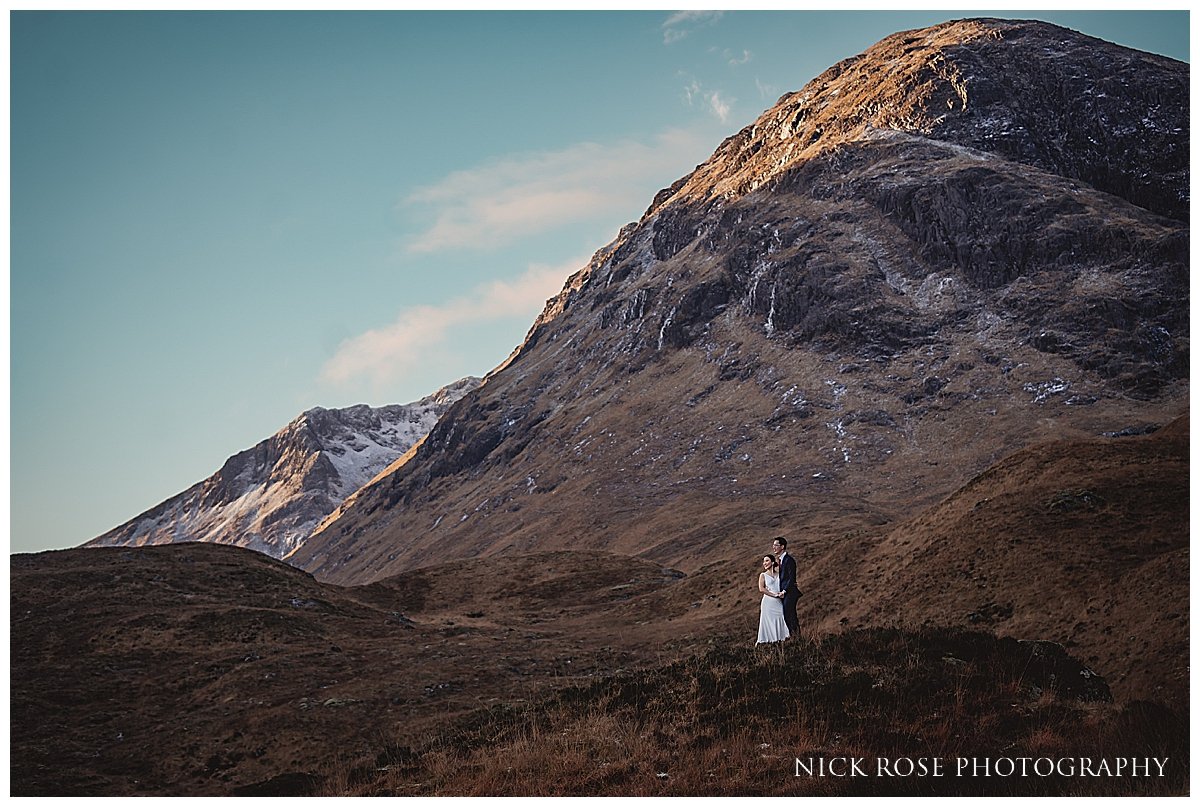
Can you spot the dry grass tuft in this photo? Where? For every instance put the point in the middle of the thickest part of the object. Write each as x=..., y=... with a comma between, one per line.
x=734, y=721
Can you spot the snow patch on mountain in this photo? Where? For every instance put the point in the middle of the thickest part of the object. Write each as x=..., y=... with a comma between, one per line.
x=271, y=497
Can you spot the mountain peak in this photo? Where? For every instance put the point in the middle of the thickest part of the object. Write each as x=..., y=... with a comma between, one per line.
x=270, y=497
x=964, y=239
x=1023, y=90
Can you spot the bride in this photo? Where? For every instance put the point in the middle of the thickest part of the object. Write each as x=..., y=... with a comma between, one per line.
x=771, y=624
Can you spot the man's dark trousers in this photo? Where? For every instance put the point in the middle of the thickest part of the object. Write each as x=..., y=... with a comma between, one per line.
x=791, y=594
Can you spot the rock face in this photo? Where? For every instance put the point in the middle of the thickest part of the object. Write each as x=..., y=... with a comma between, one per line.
x=967, y=239
x=270, y=498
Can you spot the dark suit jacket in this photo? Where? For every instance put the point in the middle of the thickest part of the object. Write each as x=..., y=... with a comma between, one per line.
x=787, y=574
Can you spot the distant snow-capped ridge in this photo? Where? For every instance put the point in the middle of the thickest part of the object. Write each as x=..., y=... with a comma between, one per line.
x=271, y=497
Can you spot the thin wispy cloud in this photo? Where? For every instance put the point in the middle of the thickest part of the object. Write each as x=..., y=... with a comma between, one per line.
x=731, y=58
x=694, y=93
x=766, y=92
x=383, y=355
x=719, y=106
x=515, y=197
x=682, y=23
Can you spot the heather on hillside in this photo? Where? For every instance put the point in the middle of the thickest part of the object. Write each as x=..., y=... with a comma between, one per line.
x=735, y=721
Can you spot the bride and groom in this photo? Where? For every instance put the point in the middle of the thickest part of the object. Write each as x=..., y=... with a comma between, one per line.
x=777, y=582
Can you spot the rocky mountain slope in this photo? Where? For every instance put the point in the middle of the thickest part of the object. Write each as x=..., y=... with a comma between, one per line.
x=270, y=498
x=965, y=240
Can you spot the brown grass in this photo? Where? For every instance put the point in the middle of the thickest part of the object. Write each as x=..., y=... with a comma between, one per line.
x=707, y=726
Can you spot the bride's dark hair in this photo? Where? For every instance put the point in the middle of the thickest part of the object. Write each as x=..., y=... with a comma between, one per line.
x=774, y=563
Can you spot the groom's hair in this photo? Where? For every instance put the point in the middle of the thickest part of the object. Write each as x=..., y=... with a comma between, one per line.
x=782, y=541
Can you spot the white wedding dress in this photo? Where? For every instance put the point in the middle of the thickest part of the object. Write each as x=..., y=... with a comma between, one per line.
x=771, y=625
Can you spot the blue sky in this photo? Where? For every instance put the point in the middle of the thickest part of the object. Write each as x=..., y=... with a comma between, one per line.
x=219, y=220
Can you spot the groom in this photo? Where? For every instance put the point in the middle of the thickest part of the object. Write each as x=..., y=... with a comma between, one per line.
x=787, y=584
